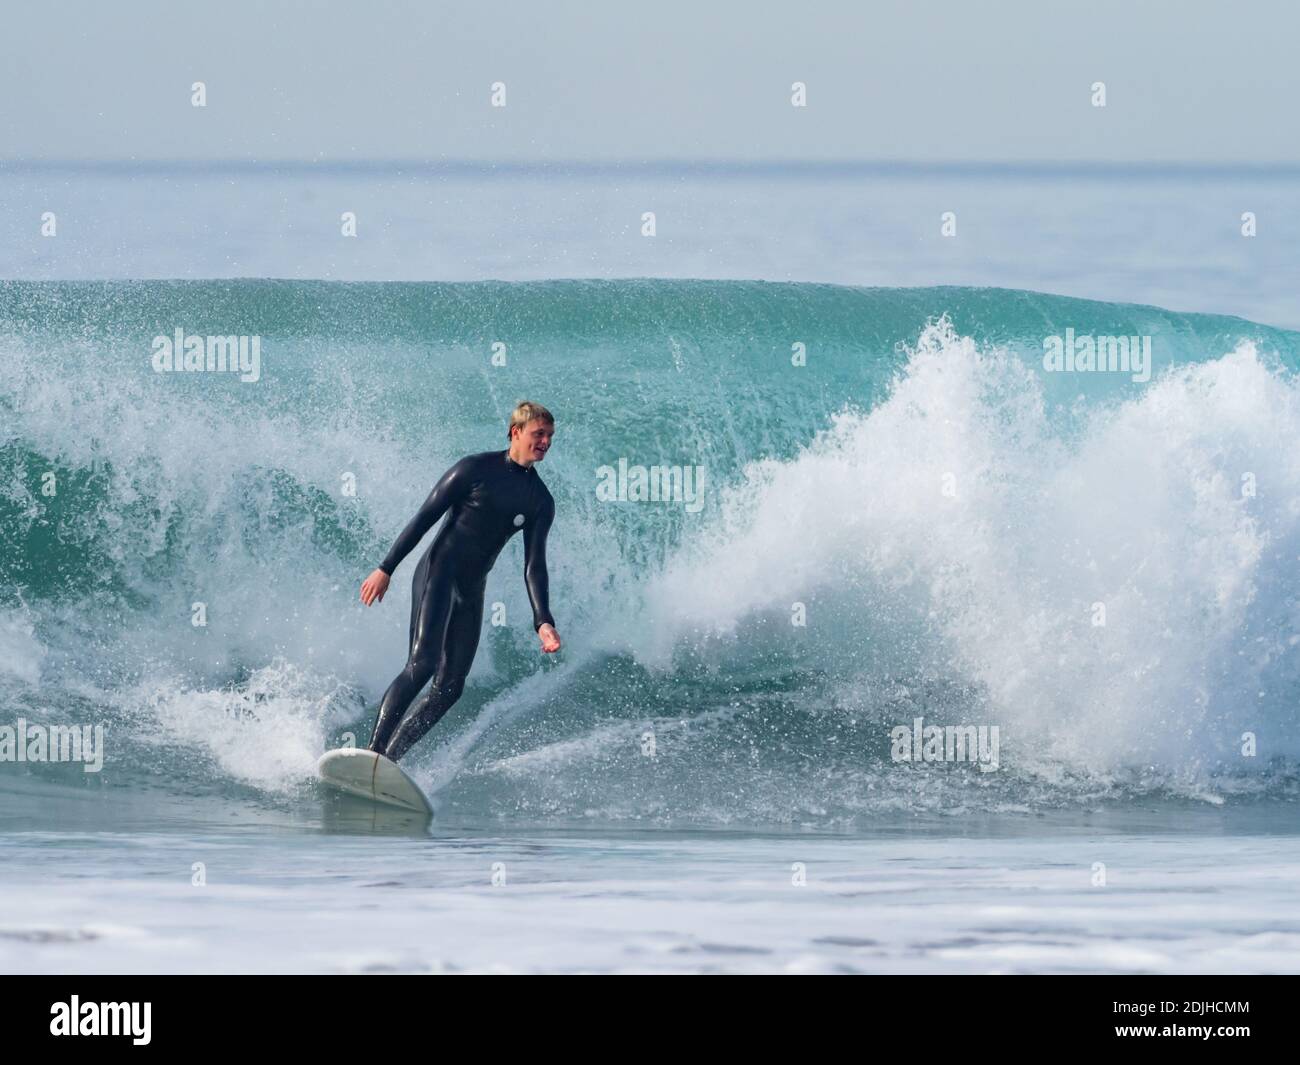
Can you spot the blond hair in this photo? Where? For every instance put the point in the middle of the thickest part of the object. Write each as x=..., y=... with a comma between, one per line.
x=526, y=412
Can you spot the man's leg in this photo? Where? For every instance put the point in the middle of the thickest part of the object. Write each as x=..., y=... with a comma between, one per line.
x=431, y=600
x=459, y=648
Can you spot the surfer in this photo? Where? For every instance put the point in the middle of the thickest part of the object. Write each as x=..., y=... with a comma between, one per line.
x=490, y=497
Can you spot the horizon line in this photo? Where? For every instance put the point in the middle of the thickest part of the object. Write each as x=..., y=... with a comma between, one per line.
x=829, y=167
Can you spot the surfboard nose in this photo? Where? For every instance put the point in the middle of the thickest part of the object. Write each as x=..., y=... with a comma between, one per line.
x=340, y=753
x=369, y=775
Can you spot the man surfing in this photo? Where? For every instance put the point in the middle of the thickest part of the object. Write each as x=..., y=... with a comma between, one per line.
x=488, y=497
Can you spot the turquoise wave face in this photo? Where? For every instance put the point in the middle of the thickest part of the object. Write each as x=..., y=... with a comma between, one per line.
x=902, y=512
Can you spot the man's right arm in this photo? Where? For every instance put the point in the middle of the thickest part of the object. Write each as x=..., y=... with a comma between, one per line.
x=451, y=487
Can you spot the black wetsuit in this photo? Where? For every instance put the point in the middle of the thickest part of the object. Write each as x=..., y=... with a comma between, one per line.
x=491, y=497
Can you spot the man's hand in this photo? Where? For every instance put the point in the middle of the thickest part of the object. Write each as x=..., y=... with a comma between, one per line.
x=550, y=639
x=375, y=586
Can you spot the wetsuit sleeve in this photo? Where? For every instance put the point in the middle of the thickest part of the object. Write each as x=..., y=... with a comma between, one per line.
x=452, y=487
x=535, y=563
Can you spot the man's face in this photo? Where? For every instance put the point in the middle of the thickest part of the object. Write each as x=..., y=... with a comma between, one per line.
x=534, y=440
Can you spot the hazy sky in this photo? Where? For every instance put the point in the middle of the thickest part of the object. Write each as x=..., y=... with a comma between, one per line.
x=661, y=80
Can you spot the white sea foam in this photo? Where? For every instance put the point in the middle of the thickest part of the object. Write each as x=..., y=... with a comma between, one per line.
x=1138, y=506
x=21, y=651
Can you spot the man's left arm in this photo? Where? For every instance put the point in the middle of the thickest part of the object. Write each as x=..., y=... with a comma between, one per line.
x=535, y=575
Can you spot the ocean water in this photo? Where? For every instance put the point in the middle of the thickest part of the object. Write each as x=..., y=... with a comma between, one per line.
x=919, y=521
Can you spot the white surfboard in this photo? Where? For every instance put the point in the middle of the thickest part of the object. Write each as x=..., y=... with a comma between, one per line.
x=368, y=775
